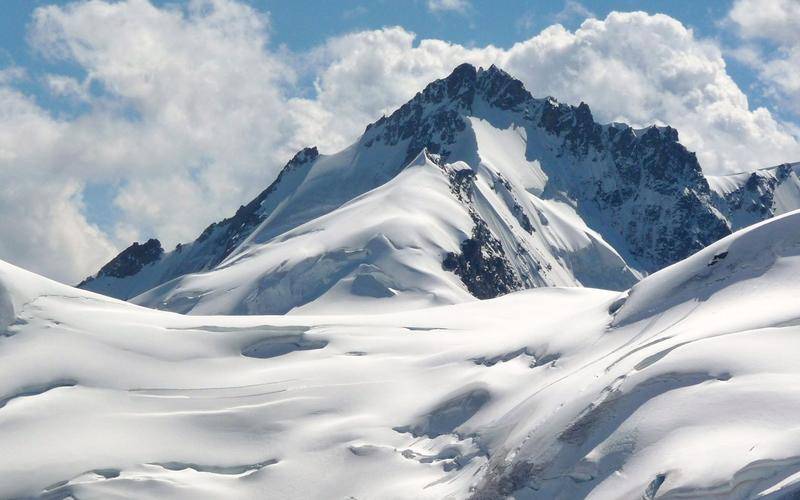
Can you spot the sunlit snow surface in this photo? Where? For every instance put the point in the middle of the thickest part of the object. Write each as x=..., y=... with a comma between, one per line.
x=686, y=386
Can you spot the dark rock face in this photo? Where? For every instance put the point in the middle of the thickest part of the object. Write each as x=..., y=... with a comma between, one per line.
x=502, y=90
x=662, y=204
x=131, y=260
x=461, y=182
x=754, y=198
x=654, y=195
x=575, y=125
x=482, y=265
x=757, y=195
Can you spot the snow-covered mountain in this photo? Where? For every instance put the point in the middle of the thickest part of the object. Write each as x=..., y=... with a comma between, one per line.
x=474, y=188
x=751, y=197
x=684, y=386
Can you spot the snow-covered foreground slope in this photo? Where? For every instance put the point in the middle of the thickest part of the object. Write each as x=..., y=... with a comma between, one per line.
x=686, y=386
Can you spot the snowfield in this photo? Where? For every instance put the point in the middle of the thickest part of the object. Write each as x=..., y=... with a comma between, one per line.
x=685, y=386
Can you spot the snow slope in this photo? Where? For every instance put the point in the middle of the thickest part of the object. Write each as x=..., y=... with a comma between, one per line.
x=552, y=198
x=384, y=250
x=683, y=387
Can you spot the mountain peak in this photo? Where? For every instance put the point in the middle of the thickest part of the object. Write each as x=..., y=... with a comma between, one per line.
x=305, y=155
x=131, y=260
x=441, y=107
x=465, y=72
x=472, y=75
x=508, y=160
x=502, y=90
x=494, y=71
x=493, y=84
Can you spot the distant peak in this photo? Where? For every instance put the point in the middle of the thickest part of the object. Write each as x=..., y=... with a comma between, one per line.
x=468, y=74
x=463, y=71
x=305, y=155
x=495, y=72
x=462, y=78
x=131, y=260
x=466, y=81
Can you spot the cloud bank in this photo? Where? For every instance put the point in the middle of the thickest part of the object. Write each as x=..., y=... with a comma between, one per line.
x=776, y=22
x=187, y=111
x=448, y=5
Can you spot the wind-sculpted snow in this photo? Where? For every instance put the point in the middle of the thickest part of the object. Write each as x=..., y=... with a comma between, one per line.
x=684, y=386
x=753, y=257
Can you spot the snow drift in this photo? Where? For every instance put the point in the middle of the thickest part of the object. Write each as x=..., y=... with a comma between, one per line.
x=683, y=386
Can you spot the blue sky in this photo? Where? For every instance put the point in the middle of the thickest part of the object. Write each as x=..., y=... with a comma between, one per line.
x=303, y=24
x=152, y=118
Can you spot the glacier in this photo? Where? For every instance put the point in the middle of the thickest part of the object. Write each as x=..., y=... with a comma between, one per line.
x=683, y=386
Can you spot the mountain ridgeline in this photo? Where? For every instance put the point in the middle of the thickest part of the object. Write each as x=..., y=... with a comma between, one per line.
x=472, y=189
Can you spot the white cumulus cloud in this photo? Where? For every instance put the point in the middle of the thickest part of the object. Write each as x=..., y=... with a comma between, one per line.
x=632, y=67
x=189, y=121
x=776, y=22
x=448, y=5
